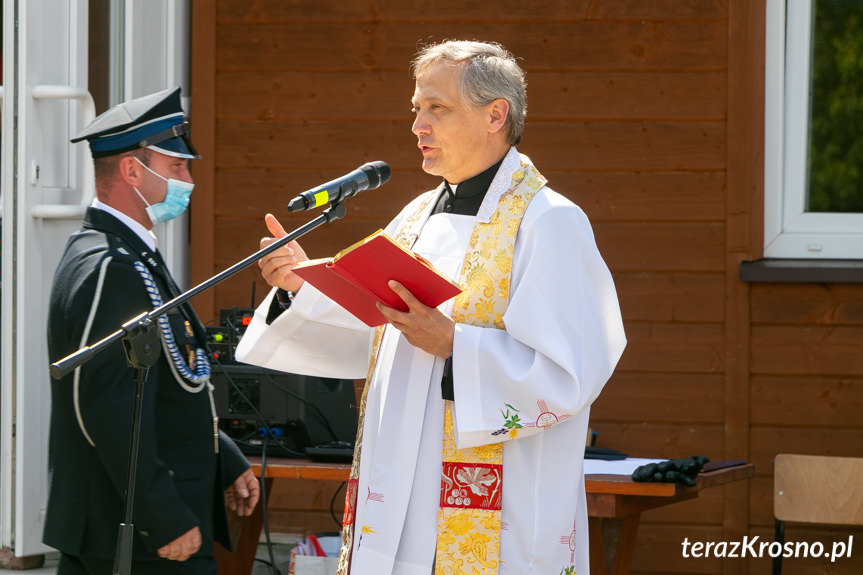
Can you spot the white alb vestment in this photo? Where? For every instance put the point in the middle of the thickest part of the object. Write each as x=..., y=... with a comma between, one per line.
x=563, y=338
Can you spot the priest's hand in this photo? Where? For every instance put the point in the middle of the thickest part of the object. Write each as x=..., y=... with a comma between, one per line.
x=242, y=496
x=423, y=326
x=276, y=267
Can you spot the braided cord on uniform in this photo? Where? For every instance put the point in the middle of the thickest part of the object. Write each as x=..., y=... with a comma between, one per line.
x=201, y=375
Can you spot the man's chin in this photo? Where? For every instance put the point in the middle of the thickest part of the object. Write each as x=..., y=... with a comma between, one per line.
x=430, y=167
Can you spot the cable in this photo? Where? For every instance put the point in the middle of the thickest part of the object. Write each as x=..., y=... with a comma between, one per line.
x=253, y=448
x=315, y=408
x=320, y=413
x=333, y=502
x=269, y=431
x=248, y=436
x=273, y=566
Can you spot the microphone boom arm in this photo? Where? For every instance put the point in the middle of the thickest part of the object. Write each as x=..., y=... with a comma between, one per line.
x=62, y=367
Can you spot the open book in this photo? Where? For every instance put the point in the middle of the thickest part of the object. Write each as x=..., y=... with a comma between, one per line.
x=356, y=277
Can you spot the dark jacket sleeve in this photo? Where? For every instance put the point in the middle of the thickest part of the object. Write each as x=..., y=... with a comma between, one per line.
x=232, y=461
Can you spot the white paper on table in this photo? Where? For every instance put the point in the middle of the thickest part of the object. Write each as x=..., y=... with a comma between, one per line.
x=309, y=565
x=618, y=467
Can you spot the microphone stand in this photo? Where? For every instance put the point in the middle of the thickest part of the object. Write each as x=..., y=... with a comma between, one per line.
x=141, y=344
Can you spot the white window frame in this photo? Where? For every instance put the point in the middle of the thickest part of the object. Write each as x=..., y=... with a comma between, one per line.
x=789, y=230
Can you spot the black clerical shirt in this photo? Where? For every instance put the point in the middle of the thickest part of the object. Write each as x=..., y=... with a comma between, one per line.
x=468, y=195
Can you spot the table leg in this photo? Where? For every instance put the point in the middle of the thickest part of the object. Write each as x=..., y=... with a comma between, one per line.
x=245, y=534
x=612, y=543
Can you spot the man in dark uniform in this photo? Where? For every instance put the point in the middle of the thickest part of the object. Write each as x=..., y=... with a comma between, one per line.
x=111, y=272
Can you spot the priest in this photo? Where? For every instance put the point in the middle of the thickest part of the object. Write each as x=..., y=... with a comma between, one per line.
x=469, y=454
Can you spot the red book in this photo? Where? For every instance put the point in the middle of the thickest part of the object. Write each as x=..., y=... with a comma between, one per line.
x=356, y=277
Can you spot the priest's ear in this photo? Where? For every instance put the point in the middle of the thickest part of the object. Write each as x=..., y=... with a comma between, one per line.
x=497, y=110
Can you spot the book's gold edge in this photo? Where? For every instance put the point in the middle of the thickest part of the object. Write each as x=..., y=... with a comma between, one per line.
x=362, y=242
x=429, y=265
x=314, y=262
x=411, y=253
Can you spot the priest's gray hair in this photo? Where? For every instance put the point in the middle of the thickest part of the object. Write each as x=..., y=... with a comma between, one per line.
x=490, y=72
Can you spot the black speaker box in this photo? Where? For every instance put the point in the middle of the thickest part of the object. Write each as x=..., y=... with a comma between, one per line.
x=297, y=411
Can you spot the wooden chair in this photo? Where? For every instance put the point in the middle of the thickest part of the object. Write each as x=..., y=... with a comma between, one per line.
x=815, y=489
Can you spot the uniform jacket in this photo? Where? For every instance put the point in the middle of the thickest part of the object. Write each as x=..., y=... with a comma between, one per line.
x=180, y=478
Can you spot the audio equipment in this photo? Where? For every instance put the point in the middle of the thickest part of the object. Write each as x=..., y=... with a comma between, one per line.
x=287, y=412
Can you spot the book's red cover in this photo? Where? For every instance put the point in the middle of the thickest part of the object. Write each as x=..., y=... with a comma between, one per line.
x=357, y=278
x=356, y=300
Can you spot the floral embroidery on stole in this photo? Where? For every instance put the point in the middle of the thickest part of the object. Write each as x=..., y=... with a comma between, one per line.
x=472, y=479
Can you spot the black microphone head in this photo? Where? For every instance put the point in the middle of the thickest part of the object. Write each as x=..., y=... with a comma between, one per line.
x=378, y=173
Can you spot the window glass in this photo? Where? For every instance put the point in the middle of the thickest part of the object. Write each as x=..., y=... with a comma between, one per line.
x=836, y=108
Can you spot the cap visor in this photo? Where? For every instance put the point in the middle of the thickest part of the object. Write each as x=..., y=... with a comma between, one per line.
x=177, y=147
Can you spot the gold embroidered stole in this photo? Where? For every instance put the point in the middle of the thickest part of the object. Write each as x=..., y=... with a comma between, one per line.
x=469, y=523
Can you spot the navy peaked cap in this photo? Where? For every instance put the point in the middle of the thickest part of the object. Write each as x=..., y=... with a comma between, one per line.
x=155, y=121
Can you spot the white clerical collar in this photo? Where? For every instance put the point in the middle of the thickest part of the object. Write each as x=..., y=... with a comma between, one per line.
x=147, y=236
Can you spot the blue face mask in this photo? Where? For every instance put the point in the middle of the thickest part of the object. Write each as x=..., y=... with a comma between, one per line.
x=176, y=199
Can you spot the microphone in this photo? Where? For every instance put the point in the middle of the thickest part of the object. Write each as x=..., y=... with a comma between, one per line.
x=367, y=177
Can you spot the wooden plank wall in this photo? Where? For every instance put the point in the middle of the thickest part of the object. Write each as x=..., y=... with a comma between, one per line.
x=806, y=393
x=649, y=116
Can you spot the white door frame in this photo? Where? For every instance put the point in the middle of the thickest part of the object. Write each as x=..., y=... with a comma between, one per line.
x=44, y=185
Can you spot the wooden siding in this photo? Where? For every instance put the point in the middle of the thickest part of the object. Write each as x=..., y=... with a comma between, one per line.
x=649, y=115
x=806, y=395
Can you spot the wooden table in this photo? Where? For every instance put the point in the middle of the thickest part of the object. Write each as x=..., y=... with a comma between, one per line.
x=615, y=503
x=614, y=507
